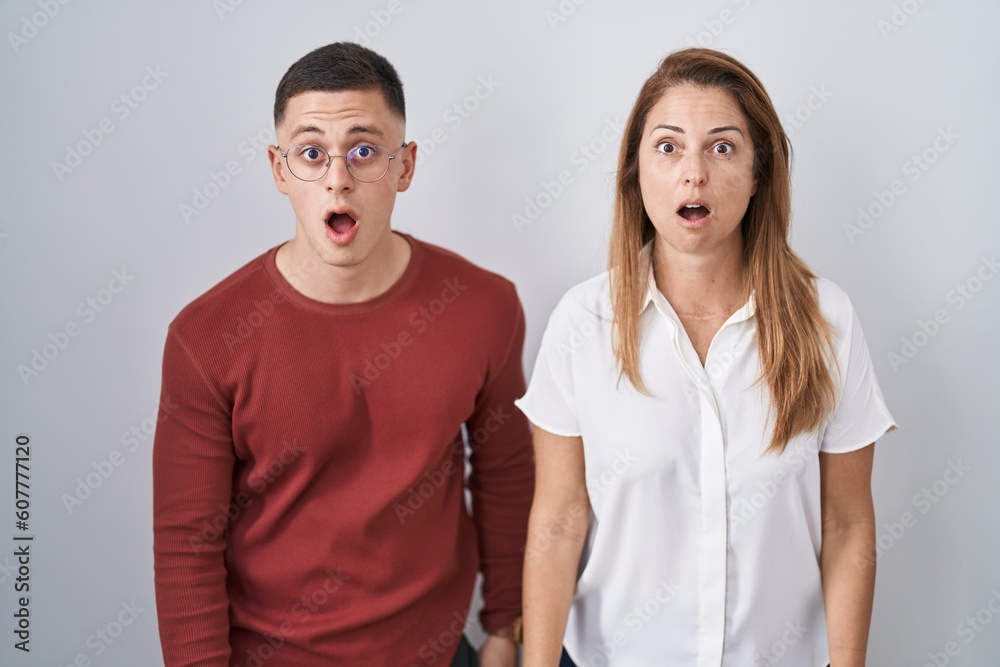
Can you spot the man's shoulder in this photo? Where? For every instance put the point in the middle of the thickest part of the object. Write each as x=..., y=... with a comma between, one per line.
x=215, y=307
x=445, y=264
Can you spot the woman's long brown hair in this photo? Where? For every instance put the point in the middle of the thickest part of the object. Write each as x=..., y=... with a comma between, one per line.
x=793, y=338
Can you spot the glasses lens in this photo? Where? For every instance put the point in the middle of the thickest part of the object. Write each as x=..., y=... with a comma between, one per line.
x=307, y=162
x=368, y=162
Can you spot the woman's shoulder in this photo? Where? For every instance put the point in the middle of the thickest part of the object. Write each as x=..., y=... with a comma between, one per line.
x=834, y=303
x=588, y=299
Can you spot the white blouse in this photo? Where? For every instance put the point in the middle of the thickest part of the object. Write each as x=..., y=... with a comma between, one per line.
x=700, y=551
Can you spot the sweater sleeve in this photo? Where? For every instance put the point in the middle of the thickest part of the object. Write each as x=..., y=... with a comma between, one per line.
x=502, y=479
x=192, y=482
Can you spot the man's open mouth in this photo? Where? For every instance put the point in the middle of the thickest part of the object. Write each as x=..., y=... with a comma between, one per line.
x=340, y=223
x=693, y=211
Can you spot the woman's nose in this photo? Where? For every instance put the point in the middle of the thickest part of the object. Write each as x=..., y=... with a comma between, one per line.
x=693, y=169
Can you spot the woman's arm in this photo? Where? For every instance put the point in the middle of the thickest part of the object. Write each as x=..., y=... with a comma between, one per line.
x=846, y=558
x=557, y=529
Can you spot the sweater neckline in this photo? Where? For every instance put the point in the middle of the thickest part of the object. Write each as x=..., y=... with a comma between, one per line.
x=397, y=289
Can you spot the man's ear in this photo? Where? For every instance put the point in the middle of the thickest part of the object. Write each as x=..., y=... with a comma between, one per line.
x=408, y=156
x=278, y=170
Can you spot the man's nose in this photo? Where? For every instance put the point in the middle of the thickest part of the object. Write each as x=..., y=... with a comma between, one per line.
x=338, y=177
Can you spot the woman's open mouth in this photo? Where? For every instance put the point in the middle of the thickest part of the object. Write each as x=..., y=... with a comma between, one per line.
x=693, y=212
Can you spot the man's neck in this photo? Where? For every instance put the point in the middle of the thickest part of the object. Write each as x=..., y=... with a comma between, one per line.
x=318, y=280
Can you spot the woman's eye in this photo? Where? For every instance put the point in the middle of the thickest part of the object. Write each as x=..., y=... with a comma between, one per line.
x=728, y=148
x=666, y=148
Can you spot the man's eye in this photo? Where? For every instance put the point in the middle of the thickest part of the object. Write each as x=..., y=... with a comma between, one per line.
x=311, y=153
x=666, y=148
x=365, y=152
x=724, y=145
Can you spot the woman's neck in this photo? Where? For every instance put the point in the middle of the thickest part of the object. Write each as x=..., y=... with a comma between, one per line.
x=701, y=285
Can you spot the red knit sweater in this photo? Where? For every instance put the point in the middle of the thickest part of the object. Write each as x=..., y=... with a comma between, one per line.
x=308, y=492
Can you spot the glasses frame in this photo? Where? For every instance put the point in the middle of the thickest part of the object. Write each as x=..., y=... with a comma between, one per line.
x=329, y=161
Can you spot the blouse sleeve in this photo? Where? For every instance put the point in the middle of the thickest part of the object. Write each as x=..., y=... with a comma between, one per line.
x=861, y=416
x=549, y=401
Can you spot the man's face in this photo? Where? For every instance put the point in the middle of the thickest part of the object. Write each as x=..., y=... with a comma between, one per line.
x=338, y=219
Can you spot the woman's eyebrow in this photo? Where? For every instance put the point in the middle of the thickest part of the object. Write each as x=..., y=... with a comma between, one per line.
x=714, y=130
x=672, y=128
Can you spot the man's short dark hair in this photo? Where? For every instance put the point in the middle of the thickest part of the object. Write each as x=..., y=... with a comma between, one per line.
x=337, y=67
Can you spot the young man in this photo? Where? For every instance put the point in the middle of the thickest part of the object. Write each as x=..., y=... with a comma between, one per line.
x=308, y=493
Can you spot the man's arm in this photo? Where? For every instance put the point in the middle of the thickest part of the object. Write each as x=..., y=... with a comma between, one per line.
x=192, y=482
x=502, y=478
x=848, y=569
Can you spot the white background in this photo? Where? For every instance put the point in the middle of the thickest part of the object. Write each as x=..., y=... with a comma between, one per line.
x=883, y=82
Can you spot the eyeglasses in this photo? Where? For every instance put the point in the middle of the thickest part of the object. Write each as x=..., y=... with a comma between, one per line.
x=365, y=162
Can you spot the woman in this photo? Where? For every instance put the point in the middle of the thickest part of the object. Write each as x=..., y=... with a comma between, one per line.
x=705, y=412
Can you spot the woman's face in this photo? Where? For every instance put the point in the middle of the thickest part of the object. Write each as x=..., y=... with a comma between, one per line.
x=696, y=169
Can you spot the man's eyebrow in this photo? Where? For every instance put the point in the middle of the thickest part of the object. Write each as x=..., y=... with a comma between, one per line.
x=366, y=129
x=307, y=129
x=714, y=130
x=356, y=129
